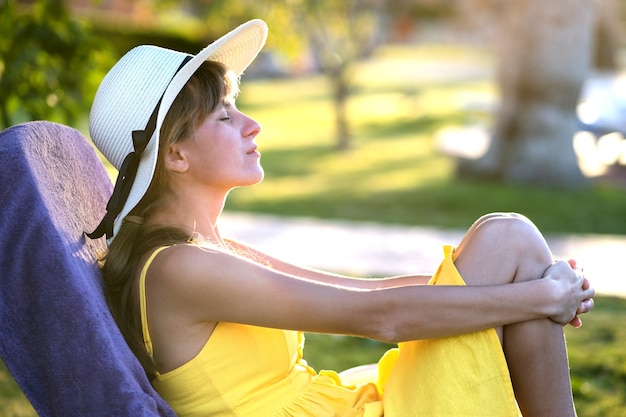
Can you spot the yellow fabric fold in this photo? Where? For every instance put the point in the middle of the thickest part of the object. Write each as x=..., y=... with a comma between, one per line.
x=456, y=376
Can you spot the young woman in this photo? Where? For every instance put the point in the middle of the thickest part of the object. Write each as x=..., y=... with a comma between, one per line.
x=218, y=325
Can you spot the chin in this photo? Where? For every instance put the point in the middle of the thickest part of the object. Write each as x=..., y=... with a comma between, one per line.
x=260, y=175
x=254, y=179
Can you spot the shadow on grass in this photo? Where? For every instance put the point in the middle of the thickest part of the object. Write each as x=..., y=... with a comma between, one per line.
x=454, y=204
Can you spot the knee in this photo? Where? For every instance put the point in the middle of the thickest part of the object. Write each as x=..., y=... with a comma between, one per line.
x=499, y=247
x=510, y=227
x=502, y=226
x=500, y=216
x=516, y=234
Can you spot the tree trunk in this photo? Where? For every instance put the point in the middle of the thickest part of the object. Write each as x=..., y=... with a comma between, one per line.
x=544, y=58
x=607, y=35
x=341, y=93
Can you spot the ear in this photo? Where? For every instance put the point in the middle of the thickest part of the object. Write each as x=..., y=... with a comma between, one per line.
x=175, y=159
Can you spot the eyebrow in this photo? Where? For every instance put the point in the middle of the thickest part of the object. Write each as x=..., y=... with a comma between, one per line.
x=229, y=104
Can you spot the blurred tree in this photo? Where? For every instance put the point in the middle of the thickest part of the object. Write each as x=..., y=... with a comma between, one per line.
x=337, y=34
x=544, y=56
x=48, y=63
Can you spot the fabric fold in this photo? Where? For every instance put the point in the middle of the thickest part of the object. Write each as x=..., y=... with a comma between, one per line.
x=464, y=375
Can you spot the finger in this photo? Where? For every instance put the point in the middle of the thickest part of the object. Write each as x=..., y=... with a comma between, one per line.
x=585, y=306
x=576, y=322
x=586, y=284
x=572, y=263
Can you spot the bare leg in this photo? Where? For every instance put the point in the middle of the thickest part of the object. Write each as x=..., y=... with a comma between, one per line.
x=503, y=248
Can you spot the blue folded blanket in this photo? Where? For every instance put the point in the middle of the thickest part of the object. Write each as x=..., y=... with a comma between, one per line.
x=57, y=337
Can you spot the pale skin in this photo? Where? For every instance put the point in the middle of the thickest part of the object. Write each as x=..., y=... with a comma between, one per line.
x=191, y=289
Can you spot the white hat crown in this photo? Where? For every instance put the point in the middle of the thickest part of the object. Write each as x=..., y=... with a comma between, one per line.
x=127, y=96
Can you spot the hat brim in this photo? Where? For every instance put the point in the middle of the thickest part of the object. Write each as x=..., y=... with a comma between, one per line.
x=236, y=50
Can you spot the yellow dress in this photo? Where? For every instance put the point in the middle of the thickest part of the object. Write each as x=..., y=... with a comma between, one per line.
x=458, y=376
x=252, y=371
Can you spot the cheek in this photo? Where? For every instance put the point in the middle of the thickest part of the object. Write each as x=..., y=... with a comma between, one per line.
x=223, y=161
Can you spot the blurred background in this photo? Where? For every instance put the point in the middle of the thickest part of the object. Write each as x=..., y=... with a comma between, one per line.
x=389, y=110
x=408, y=112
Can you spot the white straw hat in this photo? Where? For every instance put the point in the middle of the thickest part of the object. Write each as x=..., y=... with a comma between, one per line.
x=126, y=109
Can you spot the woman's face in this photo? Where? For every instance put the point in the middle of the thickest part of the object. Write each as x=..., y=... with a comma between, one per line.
x=222, y=153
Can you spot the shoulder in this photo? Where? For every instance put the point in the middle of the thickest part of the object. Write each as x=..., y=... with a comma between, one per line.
x=205, y=283
x=176, y=260
x=194, y=269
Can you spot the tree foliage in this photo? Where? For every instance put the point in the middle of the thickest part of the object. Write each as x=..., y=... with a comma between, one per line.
x=340, y=33
x=49, y=63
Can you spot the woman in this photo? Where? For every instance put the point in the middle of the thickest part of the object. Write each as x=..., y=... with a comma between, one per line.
x=217, y=324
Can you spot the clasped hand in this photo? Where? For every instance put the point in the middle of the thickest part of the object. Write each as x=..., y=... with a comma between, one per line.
x=573, y=291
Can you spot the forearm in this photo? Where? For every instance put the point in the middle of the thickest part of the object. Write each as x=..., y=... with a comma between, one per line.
x=397, y=309
x=438, y=311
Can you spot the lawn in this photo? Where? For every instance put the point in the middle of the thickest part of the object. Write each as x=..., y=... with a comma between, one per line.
x=394, y=171
x=394, y=174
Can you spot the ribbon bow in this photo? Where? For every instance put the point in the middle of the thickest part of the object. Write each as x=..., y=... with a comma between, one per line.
x=128, y=172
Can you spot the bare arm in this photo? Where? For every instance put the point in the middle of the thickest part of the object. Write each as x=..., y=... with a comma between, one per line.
x=326, y=277
x=211, y=286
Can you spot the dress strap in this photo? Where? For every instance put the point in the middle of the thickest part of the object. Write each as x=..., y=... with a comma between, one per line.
x=448, y=252
x=142, y=300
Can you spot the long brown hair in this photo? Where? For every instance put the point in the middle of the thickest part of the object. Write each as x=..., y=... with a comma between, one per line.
x=210, y=85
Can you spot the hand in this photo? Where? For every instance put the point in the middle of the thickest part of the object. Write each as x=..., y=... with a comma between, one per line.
x=585, y=305
x=573, y=293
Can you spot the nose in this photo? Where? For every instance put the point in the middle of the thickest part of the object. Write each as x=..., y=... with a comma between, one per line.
x=251, y=127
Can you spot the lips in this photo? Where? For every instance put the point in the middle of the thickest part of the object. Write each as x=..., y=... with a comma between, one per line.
x=252, y=150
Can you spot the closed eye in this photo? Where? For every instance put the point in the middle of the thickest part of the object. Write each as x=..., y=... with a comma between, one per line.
x=226, y=115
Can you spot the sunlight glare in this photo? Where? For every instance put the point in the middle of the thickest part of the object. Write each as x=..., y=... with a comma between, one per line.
x=586, y=151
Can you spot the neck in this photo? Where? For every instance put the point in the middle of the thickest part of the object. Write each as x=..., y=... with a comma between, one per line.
x=196, y=213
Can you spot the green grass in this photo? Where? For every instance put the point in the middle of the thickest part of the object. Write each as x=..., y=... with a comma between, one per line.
x=598, y=360
x=13, y=403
